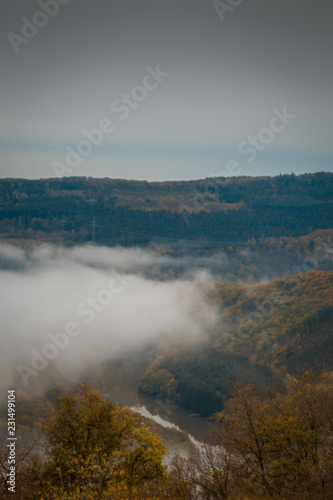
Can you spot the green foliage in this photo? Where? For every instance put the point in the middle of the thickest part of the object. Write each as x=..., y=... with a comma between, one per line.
x=135, y=212
x=203, y=377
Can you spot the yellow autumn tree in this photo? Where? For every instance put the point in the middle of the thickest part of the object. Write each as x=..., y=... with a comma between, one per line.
x=96, y=449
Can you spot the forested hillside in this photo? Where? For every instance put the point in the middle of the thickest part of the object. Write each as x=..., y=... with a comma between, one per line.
x=265, y=332
x=255, y=253
x=127, y=212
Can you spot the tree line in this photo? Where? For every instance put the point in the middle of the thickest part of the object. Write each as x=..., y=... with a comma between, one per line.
x=134, y=212
x=269, y=445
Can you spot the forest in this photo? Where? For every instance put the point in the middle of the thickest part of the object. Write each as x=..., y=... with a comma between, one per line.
x=265, y=332
x=136, y=212
x=257, y=254
x=264, y=444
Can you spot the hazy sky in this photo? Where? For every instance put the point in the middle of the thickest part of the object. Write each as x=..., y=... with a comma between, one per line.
x=225, y=78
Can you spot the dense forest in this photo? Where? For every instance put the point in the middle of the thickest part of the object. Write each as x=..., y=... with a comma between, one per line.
x=134, y=212
x=265, y=332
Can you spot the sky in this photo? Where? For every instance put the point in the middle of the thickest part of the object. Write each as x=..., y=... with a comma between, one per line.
x=177, y=89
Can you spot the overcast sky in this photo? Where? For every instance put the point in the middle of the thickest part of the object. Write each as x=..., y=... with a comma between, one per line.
x=225, y=77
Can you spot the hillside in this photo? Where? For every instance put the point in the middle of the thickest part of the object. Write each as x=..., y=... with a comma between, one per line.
x=135, y=212
x=265, y=332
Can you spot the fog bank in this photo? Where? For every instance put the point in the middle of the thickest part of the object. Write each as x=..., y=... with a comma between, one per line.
x=76, y=307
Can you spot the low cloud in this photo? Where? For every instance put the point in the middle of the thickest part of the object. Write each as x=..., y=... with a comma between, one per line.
x=47, y=290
